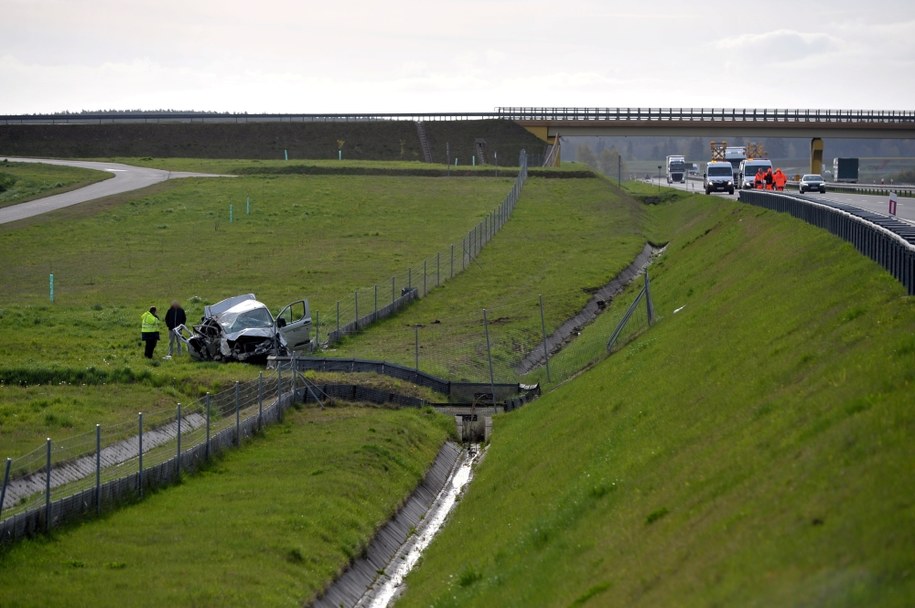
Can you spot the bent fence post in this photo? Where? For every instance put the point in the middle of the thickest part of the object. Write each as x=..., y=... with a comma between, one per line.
x=546, y=350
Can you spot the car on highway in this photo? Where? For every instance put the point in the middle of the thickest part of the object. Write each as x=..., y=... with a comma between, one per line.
x=811, y=183
x=718, y=177
x=241, y=328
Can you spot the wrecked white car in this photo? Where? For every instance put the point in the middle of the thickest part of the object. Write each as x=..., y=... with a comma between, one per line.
x=242, y=329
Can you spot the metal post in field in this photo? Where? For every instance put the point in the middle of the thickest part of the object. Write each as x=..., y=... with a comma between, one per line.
x=279, y=388
x=464, y=253
x=546, y=351
x=260, y=400
x=393, y=290
x=492, y=377
x=416, y=346
x=438, y=268
x=317, y=328
x=47, y=491
x=237, y=413
x=410, y=278
x=356, y=303
x=375, y=313
x=178, y=443
x=649, y=306
x=6, y=480
x=425, y=274
x=207, y=405
x=452, y=260
x=293, y=367
x=338, y=327
x=140, y=454
x=98, y=469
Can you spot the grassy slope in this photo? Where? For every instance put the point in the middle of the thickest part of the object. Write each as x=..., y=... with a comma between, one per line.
x=27, y=181
x=565, y=238
x=317, y=237
x=268, y=525
x=754, y=449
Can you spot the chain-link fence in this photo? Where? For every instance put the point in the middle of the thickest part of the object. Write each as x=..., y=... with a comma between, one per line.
x=84, y=474
x=369, y=304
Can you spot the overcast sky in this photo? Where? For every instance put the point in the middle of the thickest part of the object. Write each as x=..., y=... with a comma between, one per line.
x=453, y=55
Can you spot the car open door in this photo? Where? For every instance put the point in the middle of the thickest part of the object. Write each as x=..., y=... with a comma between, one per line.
x=294, y=325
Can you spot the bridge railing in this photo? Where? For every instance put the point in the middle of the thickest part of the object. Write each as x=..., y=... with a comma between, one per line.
x=767, y=115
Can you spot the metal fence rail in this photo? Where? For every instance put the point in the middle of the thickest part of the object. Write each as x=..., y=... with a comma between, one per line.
x=887, y=241
x=769, y=115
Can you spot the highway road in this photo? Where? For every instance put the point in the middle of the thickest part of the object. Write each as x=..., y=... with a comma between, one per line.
x=905, y=208
x=126, y=178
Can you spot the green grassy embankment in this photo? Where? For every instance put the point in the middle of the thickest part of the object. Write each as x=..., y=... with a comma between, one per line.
x=267, y=525
x=21, y=182
x=565, y=239
x=317, y=237
x=753, y=449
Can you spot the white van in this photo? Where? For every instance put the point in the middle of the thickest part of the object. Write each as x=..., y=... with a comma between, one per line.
x=748, y=168
x=719, y=177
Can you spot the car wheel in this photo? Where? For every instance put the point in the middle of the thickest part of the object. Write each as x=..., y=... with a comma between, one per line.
x=731, y=190
x=822, y=190
x=801, y=190
x=708, y=190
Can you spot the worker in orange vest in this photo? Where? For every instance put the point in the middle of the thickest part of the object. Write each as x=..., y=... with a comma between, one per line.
x=780, y=179
x=769, y=178
x=759, y=179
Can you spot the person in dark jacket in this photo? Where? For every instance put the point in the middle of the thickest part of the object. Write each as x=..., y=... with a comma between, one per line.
x=149, y=331
x=173, y=318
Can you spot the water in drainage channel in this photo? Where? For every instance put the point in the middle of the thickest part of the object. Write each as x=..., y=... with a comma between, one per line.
x=388, y=586
x=376, y=578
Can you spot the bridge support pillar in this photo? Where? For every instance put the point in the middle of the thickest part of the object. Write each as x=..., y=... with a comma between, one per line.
x=543, y=134
x=816, y=155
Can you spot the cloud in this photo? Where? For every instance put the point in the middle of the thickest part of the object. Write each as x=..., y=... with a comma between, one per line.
x=780, y=46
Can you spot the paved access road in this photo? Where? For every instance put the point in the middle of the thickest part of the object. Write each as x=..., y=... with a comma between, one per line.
x=126, y=178
x=905, y=207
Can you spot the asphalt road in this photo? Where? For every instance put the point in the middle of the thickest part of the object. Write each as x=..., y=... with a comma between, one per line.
x=126, y=178
x=905, y=208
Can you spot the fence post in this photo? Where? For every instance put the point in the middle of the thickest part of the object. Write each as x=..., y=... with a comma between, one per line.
x=410, y=277
x=207, y=401
x=178, y=449
x=438, y=268
x=464, y=253
x=492, y=377
x=416, y=346
x=452, y=260
x=317, y=329
x=649, y=306
x=98, y=469
x=546, y=351
x=375, y=313
x=260, y=400
x=237, y=414
x=6, y=480
x=338, y=328
x=47, y=491
x=393, y=290
x=425, y=290
x=140, y=455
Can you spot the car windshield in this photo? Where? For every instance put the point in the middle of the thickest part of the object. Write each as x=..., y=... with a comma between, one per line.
x=719, y=171
x=250, y=319
x=754, y=168
x=677, y=166
x=812, y=178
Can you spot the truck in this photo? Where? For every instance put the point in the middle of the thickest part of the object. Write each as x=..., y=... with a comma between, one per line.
x=718, y=177
x=845, y=170
x=676, y=169
x=735, y=155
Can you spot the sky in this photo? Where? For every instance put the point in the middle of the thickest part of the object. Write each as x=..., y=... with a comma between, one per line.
x=453, y=56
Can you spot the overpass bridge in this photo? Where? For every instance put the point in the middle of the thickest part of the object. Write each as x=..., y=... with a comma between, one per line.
x=550, y=123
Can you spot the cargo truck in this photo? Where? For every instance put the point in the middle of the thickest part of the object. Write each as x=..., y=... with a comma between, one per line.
x=845, y=170
x=735, y=155
x=676, y=169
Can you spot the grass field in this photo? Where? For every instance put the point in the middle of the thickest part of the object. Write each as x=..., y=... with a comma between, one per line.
x=267, y=525
x=317, y=237
x=566, y=238
x=753, y=449
x=21, y=182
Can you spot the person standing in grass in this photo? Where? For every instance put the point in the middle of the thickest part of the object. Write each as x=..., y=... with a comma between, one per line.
x=173, y=318
x=149, y=330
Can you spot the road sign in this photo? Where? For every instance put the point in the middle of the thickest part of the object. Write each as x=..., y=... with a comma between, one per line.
x=892, y=203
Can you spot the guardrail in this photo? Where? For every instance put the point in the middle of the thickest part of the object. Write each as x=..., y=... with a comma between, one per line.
x=888, y=117
x=872, y=189
x=887, y=241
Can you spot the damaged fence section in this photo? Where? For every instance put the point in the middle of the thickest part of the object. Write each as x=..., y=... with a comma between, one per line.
x=381, y=300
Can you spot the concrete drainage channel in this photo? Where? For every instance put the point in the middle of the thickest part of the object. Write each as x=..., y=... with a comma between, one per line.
x=375, y=580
